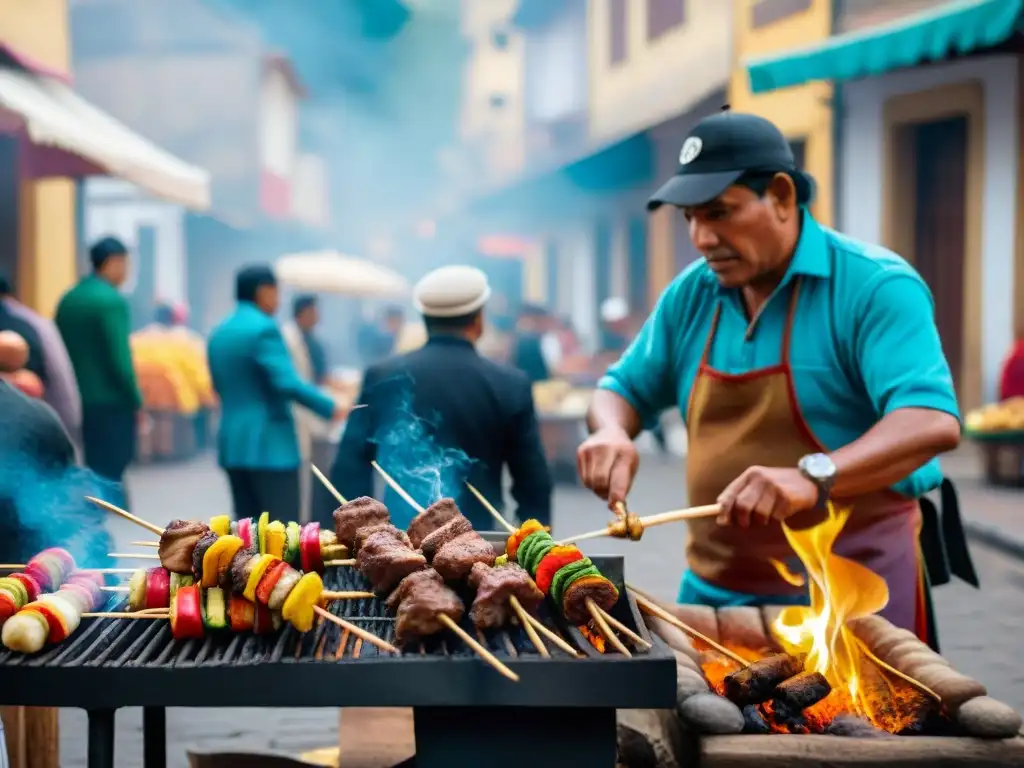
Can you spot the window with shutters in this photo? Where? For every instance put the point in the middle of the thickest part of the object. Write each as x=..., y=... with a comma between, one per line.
x=664, y=16
x=618, y=30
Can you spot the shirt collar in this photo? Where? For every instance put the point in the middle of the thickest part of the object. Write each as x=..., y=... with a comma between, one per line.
x=451, y=340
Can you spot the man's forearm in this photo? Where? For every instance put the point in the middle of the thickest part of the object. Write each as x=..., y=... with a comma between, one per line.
x=608, y=409
x=900, y=443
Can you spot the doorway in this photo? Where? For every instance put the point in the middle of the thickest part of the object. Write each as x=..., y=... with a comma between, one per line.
x=934, y=176
x=940, y=222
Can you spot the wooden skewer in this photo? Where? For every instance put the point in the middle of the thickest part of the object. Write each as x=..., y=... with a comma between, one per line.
x=484, y=654
x=327, y=595
x=892, y=670
x=397, y=488
x=328, y=484
x=527, y=625
x=134, y=555
x=145, y=543
x=598, y=616
x=114, y=589
x=619, y=530
x=357, y=631
x=340, y=563
x=126, y=515
x=648, y=606
x=125, y=615
x=11, y=566
x=552, y=636
x=632, y=636
x=499, y=518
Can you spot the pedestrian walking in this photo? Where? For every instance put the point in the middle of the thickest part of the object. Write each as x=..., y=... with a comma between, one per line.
x=443, y=414
x=257, y=384
x=94, y=321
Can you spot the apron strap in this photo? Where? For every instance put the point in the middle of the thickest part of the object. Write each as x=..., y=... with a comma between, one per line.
x=787, y=332
x=706, y=354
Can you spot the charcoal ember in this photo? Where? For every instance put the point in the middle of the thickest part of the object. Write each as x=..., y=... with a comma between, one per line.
x=986, y=718
x=754, y=720
x=712, y=714
x=929, y=720
x=799, y=692
x=846, y=724
x=755, y=684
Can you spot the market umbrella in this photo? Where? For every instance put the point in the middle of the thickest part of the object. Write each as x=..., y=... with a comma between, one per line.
x=333, y=272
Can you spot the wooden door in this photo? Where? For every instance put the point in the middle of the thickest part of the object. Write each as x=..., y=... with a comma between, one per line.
x=940, y=226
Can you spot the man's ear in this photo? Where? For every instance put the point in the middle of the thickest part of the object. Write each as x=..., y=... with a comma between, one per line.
x=782, y=194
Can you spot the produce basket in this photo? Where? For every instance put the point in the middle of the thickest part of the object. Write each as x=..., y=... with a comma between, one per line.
x=1003, y=456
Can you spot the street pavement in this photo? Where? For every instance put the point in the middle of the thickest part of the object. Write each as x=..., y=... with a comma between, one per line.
x=980, y=630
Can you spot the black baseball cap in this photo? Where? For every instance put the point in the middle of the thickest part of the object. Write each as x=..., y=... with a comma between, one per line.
x=722, y=148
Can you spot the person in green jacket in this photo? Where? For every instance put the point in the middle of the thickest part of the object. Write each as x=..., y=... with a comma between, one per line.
x=94, y=320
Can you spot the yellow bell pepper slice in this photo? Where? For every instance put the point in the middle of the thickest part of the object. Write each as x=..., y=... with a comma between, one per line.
x=261, y=532
x=218, y=558
x=274, y=538
x=221, y=525
x=255, y=575
x=298, y=607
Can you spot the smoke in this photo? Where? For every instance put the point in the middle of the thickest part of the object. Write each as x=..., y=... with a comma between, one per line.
x=409, y=445
x=42, y=491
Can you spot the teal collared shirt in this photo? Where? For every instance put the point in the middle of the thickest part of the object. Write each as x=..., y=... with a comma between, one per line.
x=864, y=342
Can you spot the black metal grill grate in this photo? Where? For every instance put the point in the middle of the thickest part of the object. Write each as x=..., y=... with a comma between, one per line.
x=148, y=642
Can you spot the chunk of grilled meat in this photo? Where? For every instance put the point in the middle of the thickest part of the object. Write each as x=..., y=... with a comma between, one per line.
x=494, y=587
x=240, y=569
x=456, y=558
x=574, y=601
x=199, y=552
x=410, y=584
x=397, y=534
x=430, y=519
x=419, y=614
x=454, y=528
x=177, y=543
x=356, y=514
x=385, y=562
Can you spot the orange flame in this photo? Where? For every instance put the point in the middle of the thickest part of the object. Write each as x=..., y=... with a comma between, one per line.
x=840, y=591
x=793, y=579
x=596, y=638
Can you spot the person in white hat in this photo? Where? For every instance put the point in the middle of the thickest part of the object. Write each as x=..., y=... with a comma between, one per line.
x=443, y=415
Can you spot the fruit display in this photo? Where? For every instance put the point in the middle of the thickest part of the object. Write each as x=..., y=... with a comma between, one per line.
x=997, y=418
x=171, y=370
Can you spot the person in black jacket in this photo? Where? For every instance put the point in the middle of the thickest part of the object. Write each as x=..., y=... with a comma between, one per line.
x=443, y=415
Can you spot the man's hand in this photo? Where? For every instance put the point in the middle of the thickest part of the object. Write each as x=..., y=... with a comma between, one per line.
x=607, y=462
x=763, y=494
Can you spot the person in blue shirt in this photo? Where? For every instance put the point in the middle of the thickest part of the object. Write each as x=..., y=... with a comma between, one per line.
x=807, y=365
x=256, y=381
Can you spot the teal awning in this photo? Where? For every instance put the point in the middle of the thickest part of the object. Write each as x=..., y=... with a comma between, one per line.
x=953, y=28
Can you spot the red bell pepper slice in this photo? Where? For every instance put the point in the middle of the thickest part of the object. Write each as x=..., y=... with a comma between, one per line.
x=309, y=549
x=187, y=614
x=269, y=581
x=158, y=588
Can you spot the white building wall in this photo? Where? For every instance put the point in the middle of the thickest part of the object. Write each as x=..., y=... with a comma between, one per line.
x=862, y=179
x=117, y=208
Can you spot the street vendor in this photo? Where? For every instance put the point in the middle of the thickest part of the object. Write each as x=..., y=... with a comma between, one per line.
x=806, y=364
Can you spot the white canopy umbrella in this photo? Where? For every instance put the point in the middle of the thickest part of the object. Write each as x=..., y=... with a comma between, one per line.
x=333, y=272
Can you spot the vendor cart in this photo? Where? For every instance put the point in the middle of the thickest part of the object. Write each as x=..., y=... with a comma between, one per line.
x=1003, y=456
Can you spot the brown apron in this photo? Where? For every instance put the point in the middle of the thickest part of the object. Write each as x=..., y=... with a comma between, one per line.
x=753, y=419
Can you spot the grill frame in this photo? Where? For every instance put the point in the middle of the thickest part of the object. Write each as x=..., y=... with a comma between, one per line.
x=99, y=668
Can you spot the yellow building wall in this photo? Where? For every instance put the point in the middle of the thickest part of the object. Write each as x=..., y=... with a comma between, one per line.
x=47, y=222
x=658, y=79
x=803, y=112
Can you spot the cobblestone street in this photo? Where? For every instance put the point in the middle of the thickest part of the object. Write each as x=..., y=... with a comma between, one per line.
x=979, y=629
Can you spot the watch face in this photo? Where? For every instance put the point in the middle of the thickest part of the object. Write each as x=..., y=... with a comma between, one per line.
x=819, y=465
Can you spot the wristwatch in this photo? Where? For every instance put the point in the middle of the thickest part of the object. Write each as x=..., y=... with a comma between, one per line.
x=820, y=470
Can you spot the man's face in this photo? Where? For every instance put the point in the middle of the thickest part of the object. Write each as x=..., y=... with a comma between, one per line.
x=741, y=234
x=115, y=268
x=393, y=323
x=308, y=318
x=267, y=299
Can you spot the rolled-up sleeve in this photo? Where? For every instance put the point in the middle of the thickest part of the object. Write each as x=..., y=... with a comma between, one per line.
x=898, y=349
x=645, y=374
